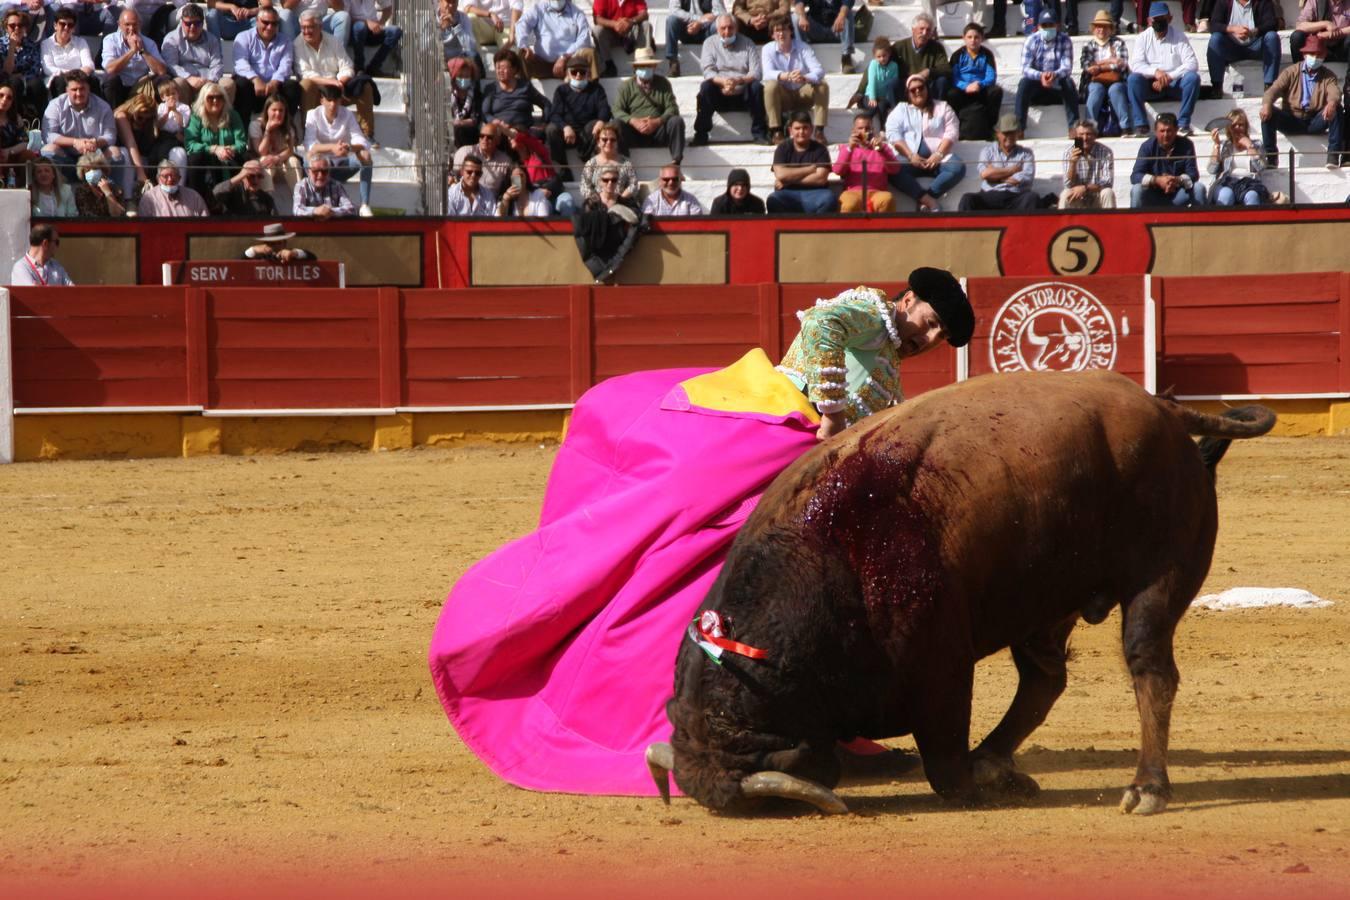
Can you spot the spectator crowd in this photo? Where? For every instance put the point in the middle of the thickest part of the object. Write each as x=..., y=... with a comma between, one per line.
x=115, y=107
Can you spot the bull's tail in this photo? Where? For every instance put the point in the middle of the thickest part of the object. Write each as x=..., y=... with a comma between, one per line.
x=1217, y=432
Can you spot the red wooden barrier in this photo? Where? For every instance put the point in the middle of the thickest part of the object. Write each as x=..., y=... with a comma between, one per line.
x=1269, y=334
x=384, y=348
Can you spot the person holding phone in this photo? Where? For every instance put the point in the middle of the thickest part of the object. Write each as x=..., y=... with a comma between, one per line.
x=1089, y=171
x=866, y=163
x=521, y=198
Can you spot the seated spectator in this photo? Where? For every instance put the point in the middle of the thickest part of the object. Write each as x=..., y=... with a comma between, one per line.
x=1237, y=162
x=318, y=195
x=1047, y=65
x=522, y=199
x=96, y=196
x=607, y=158
x=244, y=194
x=21, y=64
x=371, y=28
x=145, y=143
x=1290, y=107
x=466, y=100
x=689, y=22
x=1165, y=172
x=279, y=149
x=801, y=172
x=226, y=21
x=825, y=22
x=467, y=196
x=923, y=54
x=169, y=199
x=793, y=80
x=975, y=96
x=1105, y=66
x=1162, y=67
x=645, y=108
x=215, y=141
x=580, y=107
x=866, y=163
x=737, y=201
x=272, y=246
x=732, y=73
x=129, y=56
x=494, y=162
x=1243, y=29
x=38, y=267
x=881, y=83
x=512, y=98
x=548, y=34
x=672, y=199
x=606, y=229
x=1329, y=20
x=1007, y=170
x=1089, y=171
x=753, y=18
x=51, y=196
x=76, y=123
x=93, y=19
x=457, y=37
x=264, y=64
x=923, y=133
x=331, y=131
x=194, y=56
x=534, y=157
x=621, y=26
x=14, y=151
x=333, y=18
x=63, y=52
x=321, y=62
x=493, y=21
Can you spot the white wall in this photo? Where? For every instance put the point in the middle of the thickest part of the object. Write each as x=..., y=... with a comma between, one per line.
x=14, y=211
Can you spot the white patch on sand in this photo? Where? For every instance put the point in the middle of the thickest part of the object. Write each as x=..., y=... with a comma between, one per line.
x=1256, y=597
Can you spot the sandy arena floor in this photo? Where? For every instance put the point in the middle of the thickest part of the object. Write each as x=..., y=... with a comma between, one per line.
x=213, y=670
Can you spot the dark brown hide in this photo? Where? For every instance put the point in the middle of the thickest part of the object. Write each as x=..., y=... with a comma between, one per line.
x=881, y=566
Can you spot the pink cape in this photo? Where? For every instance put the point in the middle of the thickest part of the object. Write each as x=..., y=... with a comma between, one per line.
x=554, y=657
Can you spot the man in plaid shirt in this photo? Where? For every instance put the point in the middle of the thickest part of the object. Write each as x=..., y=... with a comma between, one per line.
x=1089, y=171
x=1047, y=60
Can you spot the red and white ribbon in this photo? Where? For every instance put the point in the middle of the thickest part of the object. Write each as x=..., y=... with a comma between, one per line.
x=708, y=633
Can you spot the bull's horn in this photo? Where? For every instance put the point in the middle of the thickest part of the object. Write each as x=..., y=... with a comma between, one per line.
x=661, y=760
x=781, y=784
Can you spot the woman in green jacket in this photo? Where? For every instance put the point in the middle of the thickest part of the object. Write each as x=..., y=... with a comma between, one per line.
x=215, y=140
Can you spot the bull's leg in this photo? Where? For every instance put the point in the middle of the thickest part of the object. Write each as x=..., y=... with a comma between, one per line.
x=942, y=732
x=1148, y=624
x=1041, y=676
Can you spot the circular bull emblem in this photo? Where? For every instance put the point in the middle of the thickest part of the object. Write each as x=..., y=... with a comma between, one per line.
x=1052, y=327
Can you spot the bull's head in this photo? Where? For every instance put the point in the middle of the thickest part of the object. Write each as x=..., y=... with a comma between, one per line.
x=750, y=788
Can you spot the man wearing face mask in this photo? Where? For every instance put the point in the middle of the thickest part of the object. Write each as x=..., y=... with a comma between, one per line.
x=732, y=69
x=580, y=107
x=168, y=198
x=1162, y=67
x=549, y=33
x=1305, y=99
x=646, y=110
x=1047, y=66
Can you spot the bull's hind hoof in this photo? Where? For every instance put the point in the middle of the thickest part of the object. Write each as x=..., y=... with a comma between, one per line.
x=997, y=779
x=1142, y=800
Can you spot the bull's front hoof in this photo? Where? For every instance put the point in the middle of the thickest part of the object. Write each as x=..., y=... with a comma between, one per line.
x=1142, y=800
x=998, y=779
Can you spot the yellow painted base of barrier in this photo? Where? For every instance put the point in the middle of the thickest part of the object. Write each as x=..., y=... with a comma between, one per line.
x=140, y=435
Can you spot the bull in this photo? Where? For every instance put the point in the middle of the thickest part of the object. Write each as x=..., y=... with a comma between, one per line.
x=879, y=567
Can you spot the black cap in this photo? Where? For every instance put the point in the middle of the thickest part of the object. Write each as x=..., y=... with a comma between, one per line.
x=738, y=176
x=940, y=290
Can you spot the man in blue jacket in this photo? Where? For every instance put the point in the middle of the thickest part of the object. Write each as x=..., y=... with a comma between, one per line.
x=1165, y=173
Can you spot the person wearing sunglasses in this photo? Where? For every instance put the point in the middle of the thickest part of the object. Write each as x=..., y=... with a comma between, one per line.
x=264, y=64
x=194, y=56
x=64, y=51
x=491, y=153
x=244, y=194
x=21, y=63
x=672, y=199
x=38, y=267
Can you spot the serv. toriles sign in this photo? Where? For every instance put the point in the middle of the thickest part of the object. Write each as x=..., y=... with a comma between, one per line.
x=238, y=272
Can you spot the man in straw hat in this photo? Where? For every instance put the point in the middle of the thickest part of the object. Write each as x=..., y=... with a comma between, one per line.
x=646, y=110
x=271, y=245
x=1006, y=171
